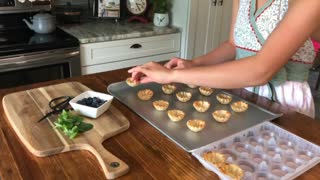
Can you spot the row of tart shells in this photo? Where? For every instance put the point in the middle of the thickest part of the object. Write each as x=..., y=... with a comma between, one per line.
x=182, y=96
x=171, y=88
x=200, y=106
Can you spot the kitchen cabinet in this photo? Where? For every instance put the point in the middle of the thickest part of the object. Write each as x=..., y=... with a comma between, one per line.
x=110, y=55
x=205, y=24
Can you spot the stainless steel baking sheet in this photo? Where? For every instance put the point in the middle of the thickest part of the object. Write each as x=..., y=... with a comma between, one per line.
x=178, y=131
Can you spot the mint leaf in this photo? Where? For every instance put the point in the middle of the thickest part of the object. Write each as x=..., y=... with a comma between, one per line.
x=84, y=127
x=71, y=124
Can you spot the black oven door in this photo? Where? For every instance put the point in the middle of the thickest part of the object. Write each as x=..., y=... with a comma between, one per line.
x=39, y=67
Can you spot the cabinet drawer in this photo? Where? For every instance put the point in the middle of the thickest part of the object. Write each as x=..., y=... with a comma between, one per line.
x=112, y=51
x=126, y=63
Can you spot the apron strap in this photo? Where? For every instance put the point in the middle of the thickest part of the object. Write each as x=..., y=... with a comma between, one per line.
x=272, y=92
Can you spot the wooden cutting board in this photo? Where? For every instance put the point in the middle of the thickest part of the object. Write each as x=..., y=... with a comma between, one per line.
x=25, y=108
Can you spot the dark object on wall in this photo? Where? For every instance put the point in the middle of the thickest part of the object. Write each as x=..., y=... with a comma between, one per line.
x=106, y=9
x=68, y=14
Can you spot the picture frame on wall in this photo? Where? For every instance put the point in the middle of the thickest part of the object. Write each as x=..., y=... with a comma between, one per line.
x=109, y=8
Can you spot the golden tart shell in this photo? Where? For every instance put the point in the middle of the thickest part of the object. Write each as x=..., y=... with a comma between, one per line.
x=184, y=96
x=168, y=88
x=224, y=98
x=232, y=170
x=221, y=115
x=206, y=91
x=131, y=82
x=160, y=105
x=239, y=106
x=215, y=158
x=191, y=86
x=145, y=94
x=196, y=125
x=176, y=115
x=201, y=106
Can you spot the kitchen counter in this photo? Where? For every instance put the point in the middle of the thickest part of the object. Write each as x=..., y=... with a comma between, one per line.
x=109, y=30
x=149, y=154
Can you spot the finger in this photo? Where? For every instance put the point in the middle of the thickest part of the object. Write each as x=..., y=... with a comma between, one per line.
x=146, y=79
x=131, y=70
x=136, y=76
x=172, y=63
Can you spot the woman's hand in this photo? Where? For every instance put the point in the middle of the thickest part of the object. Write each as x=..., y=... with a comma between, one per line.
x=151, y=72
x=177, y=63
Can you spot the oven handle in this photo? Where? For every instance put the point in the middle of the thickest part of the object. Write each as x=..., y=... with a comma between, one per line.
x=58, y=55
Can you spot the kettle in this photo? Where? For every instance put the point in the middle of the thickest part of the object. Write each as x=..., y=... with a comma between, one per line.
x=42, y=23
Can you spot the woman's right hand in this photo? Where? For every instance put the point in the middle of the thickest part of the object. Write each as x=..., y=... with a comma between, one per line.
x=178, y=63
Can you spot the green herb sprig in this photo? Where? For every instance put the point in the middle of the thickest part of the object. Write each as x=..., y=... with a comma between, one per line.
x=71, y=124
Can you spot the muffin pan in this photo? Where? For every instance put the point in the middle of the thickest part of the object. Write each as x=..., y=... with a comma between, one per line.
x=264, y=151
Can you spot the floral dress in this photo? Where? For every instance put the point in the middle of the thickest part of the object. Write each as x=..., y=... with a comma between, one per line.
x=289, y=86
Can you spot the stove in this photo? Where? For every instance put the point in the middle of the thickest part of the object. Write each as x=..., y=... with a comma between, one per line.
x=24, y=40
x=27, y=57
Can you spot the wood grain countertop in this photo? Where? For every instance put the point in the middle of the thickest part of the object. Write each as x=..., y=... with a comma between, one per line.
x=149, y=154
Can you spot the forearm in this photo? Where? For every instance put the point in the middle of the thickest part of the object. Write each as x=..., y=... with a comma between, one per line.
x=229, y=75
x=225, y=52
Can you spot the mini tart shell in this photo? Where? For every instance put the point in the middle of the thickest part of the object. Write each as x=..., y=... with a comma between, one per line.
x=201, y=106
x=215, y=158
x=160, y=105
x=184, y=96
x=196, y=125
x=145, y=94
x=132, y=82
x=176, y=115
x=232, y=170
x=221, y=115
x=206, y=91
x=168, y=88
x=239, y=106
x=191, y=86
x=224, y=98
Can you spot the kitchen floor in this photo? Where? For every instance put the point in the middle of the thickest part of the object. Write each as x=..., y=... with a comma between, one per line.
x=313, y=76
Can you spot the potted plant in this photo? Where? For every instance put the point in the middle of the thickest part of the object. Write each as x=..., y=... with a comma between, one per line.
x=161, y=15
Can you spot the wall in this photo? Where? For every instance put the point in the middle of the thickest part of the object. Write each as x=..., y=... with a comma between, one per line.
x=180, y=18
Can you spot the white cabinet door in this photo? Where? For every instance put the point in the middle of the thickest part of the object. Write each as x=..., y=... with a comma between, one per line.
x=206, y=27
x=213, y=25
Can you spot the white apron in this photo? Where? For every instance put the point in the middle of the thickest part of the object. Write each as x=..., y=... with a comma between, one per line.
x=289, y=86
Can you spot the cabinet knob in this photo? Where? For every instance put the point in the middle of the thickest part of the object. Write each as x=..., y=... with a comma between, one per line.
x=136, y=46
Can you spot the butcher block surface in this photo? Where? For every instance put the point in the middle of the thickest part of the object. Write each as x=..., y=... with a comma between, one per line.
x=23, y=109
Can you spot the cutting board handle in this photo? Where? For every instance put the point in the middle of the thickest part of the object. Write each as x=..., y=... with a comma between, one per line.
x=112, y=166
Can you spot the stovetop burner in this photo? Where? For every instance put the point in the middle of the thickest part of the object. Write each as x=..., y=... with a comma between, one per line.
x=23, y=40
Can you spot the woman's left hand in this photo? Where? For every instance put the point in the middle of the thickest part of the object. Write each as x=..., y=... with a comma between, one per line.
x=151, y=72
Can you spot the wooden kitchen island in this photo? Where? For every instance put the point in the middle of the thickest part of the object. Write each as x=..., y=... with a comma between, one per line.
x=149, y=154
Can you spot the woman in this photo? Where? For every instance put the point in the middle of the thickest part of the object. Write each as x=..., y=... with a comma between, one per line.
x=270, y=40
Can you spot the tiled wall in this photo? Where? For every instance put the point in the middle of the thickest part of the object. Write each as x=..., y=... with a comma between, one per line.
x=76, y=2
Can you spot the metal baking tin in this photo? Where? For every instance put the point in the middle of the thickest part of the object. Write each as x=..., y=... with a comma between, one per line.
x=178, y=131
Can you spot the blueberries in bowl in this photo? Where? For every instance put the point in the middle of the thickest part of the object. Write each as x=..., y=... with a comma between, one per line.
x=94, y=102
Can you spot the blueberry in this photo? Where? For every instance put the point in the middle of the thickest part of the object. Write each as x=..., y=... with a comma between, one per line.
x=91, y=102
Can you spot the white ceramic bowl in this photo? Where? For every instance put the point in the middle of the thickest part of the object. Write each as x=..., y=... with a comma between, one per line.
x=91, y=111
